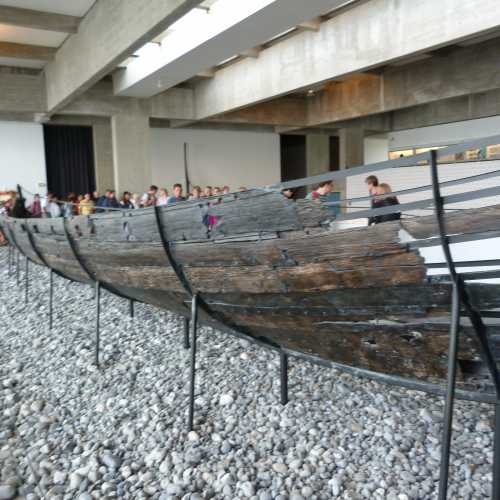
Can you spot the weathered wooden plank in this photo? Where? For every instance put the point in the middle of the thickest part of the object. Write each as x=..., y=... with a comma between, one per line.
x=469, y=221
x=151, y=277
x=185, y=222
x=280, y=253
x=56, y=252
x=139, y=225
x=267, y=211
x=313, y=213
x=276, y=252
x=362, y=304
x=52, y=227
x=159, y=298
x=122, y=253
x=415, y=351
x=23, y=241
x=306, y=278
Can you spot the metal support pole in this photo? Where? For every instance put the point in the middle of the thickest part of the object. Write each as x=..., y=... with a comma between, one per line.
x=186, y=333
x=284, y=377
x=194, y=326
x=131, y=308
x=496, y=454
x=450, y=393
x=97, y=320
x=10, y=259
x=51, y=298
x=26, y=281
x=17, y=268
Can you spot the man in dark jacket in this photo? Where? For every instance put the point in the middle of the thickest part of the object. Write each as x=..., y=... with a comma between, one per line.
x=111, y=201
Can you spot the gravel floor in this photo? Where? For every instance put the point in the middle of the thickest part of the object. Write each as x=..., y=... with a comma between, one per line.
x=68, y=430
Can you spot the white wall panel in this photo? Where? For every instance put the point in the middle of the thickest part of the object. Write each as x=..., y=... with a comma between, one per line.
x=22, y=157
x=215, y=157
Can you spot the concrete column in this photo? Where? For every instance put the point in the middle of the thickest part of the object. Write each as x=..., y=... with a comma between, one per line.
x=351, y=147
x=131, y=152
x=351, y=142
x=317, y=154
x=103, y=154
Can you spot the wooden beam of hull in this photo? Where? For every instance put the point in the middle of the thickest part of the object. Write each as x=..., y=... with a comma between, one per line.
x=487, y=218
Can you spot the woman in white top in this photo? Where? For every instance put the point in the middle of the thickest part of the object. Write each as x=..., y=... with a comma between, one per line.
x=162, y=198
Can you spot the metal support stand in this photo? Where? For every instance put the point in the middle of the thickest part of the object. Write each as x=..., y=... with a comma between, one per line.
x=51, y=298
x=496, y=454
x=460, y=297
x=26, y=281
x=10, y=259
x=194, y=326
x=450, y=394
x=284, y=377
x=17, y=267
x=186, y=333
x=131, y=308
x=97, y=320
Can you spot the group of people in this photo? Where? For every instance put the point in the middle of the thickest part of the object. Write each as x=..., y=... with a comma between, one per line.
x=380, y=196
x=90, y=203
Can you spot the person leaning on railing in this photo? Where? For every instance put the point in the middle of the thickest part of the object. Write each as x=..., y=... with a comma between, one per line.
x=52, y=208
x=87, y=205
x=383, y=189
x=36, y=207
x=126, y=201
x=324, y=189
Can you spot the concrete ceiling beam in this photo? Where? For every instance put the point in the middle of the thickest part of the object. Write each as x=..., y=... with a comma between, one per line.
x=355, y=41
x=469, y=70
x=110, y=32
x=35, y=19
x=253, y=52
x=287, y=111
x=232, y=28
x=207, y=73
x=25, y=51
x=312, y=25
x=174, y=104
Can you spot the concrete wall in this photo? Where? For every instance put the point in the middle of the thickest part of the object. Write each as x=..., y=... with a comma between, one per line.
x=443, y=135
x=376, y=148
x=22, y=157
x=131, y=152
x=215, y=157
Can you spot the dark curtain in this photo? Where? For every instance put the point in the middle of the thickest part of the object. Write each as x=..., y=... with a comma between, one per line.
x=293, y=160
x=69, y=156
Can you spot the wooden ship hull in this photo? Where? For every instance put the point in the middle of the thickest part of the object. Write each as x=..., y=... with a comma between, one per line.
x=280, y=273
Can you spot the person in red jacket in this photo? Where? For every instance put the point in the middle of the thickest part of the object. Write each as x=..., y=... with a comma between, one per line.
x=324, y=188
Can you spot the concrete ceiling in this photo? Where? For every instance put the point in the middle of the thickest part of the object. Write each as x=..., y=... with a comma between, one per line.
x=22, y=63
x=30, y=36
x=229, y=30
x=16, y=30
x=68, y=7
